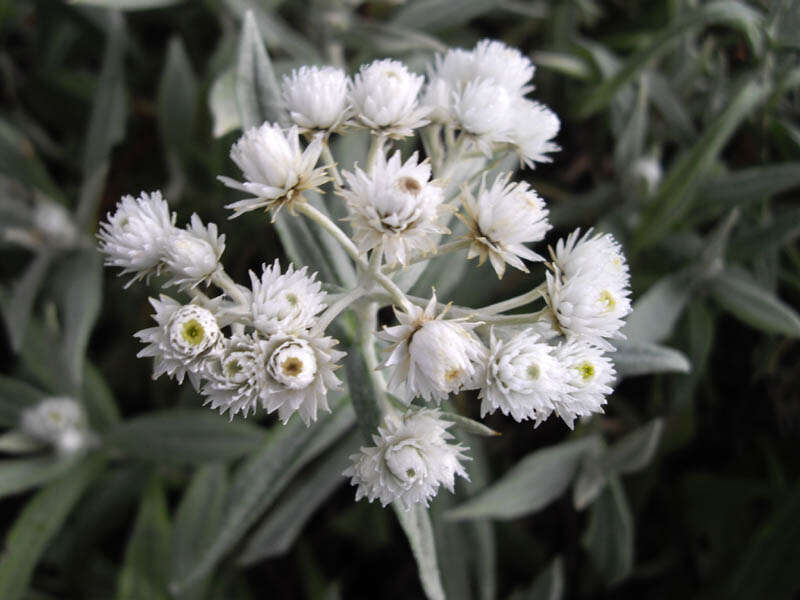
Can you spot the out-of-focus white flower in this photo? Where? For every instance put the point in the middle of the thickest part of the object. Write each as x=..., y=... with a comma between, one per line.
x=535, y=126
x=523, y=378
x=484, y=110
x=395, y=209
x=55, y=225
x=590, y=374
x=275, y=168
x=489, y=60
x=646, y=172
x=299, y=375
x=588, y=289
x=411, y=458
x=432, y=357
x=135, y=236
x=58, y=421
x=192, y=255
x=285, y=303
x=236, y=381
x=501, y=220
x=316, y=97
x=186, y=337
x=384, y=98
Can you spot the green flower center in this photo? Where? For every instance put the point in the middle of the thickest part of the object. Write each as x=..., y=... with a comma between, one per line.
x=607, y=299
x=533, y=371
x=586, y=370
x=232, y=367
x=292, y=366
x=193, y=332
x=292, y=299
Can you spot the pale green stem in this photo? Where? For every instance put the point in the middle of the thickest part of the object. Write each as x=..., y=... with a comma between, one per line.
x=227, y=285
x=515, y=302
x=327, y=317
x=368, y=323
x=447, y=248
x=340, y=236
x=378, y=140
x=523, y=319
x=330, y=163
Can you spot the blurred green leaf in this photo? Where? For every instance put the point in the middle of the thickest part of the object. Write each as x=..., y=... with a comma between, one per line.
x=533, y=483
x=657, y=311
x=177, y=98
x=262, y=477
x=191, y=436
x=196, y=521
x=641, y=358
x=783, y=228
x=17, y=309
x=16, y=396
x=21, y=474
x=635, y=451
x=548, y=585
x=127, y=4
x=433, y=15
x=737, y=293
x=469, y=425
x=98, y=400
x=147, y=555
x=222, y=103
x=609, y=537
x=38, y=522
x=562, y=63
x=630, y=144
x=416, y=524
x=19, y=161
x=591, y=480
x=362, y=392
x=17, y=442
x=282, y=526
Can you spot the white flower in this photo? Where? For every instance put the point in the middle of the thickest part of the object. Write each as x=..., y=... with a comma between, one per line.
x=432, y=357
x=489, y=60
x=501, y=220
x=485, y=111
x=384, y=98
x=588, y=288
x=55, y=224
x=316, y=97
x=192, y=255
x=275, y=168
x=535, y=126
x=395, y=209
x=134, y=237
x=411, y=458
x=523, y=378
x=236, y=381
x=590, y=374
x=285, y=303
x=58, y=421
x=299, y=374
x=184, y=340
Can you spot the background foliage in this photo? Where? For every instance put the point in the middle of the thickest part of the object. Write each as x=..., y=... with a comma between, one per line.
x=679, y=135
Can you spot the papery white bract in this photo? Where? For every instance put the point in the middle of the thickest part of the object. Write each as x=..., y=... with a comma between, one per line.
x=432, y=357
x=275, y=167
x=134, y=237
x=501, y=219
x=384, y=98
x=59, y=421
x=590, y=374
x=236, y=380
x=396, y=209
x=316, y=97
x=412, y=457
x=524, y=378
x=484, y=110
x=285, y=303
x=186, y=337
x=300, y=375
x=535, y=126
x=192, y=255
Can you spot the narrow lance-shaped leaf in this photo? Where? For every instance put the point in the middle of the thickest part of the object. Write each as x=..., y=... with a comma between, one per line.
x=21, y=474
x=609, y=538
x=177, y=97
x=416, y=524
x=16, y=396
x=634, y=451
x=17, y=309
x=548, y=585
x=222, y=103
x=636, y=358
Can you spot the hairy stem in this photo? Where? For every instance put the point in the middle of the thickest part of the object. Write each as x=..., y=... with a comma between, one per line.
x=515, y=302
x=447, y=248
x=223, y=281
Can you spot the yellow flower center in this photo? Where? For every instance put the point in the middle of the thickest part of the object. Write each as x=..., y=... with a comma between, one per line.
x=586, y=370
x=607, y=299
x=193, y=332
x=452, y=374
x=533, y=371
x=292, y=366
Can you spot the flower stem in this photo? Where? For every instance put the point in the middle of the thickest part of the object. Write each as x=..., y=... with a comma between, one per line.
x=327, y=156
x=447, y=248
x=227, y=285
x=327, y=317
x=523, y=319
x=377, y=144
x=368, y=319
x=515, y=302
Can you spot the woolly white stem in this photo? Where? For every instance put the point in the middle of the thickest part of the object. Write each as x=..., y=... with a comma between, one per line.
x=330, y=163
x=327, y=317
x=447, y=248
x=227, y=285
x=515, y=302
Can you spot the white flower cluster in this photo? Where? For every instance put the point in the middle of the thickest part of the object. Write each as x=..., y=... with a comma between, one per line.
x=59, y=422
x=265, y=344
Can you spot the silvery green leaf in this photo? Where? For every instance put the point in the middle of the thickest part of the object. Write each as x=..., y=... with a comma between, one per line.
x=562, y=63
x=21, y=474
x=433, y=15
x=19, y=161
x=630, y=143
x=258, y=95
x=282, y=526
x=17, y=442
x=469, y=425
x=416, y=524
x=591, y=480
x=548, y=585
x=389, y=39
x=640, y=358
x=127, y=4
x=635, y=451
x=196, y=520
x=671, y=107
x=180, y=436
x=262, y=477
x=783, y=228
x=362, y=393
x=738, y=294
x=533, y=483
x=18, y=307
x=98, y=400
x=16, y=396
x=146, y=562
x=657, y=311
x=177, y=97
x=38, y=522
x=609, y=537
x=222, y=103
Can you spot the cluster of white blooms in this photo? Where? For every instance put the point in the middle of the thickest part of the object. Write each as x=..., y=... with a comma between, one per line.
x=59, y=422
x=265, y=345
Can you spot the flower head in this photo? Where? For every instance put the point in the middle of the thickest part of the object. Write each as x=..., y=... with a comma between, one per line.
x=524, y=378
x=384, y=98
x=501, y=220
x=135, y=236
x=395, y=209
x=535, y=127
x=58, y=421
x=186, y=337
x=432, y=357
x=237, y=379
x=316, y=97
x=590, y=374
x=484, y=110
x=275, y=168
x=411, y=458
x=192, y=255
x=285, y=303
